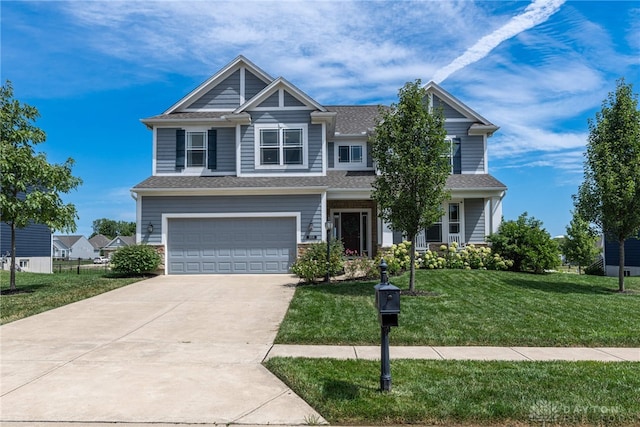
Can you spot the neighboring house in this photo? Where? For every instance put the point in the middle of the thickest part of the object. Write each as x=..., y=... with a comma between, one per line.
x=99, y=241
x=247, y=169
x=72, y=247
x=631, y=257
x=117, y=243
x=33, y=248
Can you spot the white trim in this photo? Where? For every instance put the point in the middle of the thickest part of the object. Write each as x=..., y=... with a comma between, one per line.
x=154, y=151
x=239, y=149
x=349, y=165
x=323, y=216
x=458, y=120
x=197, y=172
x=280, y=127
x=487, y=217
x=299, y=108
x=280, y=174
x=139, y=218
x=348, y=194
x=324, y=148
x=236, y=191
x=167, y=216
x=279, y=84
x=242, y=85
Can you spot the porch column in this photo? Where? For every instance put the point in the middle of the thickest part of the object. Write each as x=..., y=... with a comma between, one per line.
x=386, y=234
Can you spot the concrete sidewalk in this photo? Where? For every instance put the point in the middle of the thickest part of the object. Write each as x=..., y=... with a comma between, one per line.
x=459, y=353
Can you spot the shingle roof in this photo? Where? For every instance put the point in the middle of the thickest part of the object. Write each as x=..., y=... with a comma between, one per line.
x=190, y=115
x=68, y=241
x=333, y=180
x=354, y=119
x=99, y=241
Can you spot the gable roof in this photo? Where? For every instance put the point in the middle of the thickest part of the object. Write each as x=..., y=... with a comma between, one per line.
x=482, y=125
x=277, y=84
x=68, y=241
x=355, y=119
x=125, y=240
x=99, y=241
x=239, y=62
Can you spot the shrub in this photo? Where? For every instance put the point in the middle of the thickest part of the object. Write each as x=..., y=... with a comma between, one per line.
x=527, y=244
x=365, y=268
x=135, y=260
x=397, y=257
x=469, y=257
x=313, y=263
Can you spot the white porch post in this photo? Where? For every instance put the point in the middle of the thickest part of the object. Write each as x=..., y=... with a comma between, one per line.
x=386, y=234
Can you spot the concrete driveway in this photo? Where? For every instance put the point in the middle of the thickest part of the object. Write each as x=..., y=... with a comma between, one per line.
x=172, y=349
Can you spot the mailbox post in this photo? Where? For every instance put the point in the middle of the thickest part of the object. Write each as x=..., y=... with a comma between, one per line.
x=388, y=305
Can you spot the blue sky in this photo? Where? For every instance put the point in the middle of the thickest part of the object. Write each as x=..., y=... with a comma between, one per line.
x=538, y=69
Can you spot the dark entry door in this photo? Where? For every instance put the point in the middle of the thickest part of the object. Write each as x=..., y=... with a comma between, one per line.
x=350, y=231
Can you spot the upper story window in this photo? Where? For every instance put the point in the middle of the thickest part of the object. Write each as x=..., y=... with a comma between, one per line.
x=455, y=157
x=281, y=146
x=196, y=149
x=350, y=155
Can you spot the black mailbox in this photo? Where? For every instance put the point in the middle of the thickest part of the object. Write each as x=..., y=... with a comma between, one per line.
x=387, y=300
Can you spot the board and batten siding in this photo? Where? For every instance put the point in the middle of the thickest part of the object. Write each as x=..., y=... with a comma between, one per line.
x=309, y=206
x=314, y=147
x=471, y=147
x=474, y=224
x=226, y=94
x=166, y=150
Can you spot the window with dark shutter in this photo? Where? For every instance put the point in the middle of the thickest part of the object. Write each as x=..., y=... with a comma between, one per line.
x=180, y=149
x=212, y=149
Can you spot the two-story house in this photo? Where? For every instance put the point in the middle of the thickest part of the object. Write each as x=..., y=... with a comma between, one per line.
x=248, y=169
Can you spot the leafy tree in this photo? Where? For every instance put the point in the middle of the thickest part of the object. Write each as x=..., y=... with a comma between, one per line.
x=527, y=244
x=579, y=246
x=609, y=196
x=30, y=186
x=312, y=264
x=411, y=153
x=112, y=228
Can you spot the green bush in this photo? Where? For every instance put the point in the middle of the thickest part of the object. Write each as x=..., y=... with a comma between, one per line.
x=397, y=257
x=135, y=260
x=527, y=244
x=313, y=263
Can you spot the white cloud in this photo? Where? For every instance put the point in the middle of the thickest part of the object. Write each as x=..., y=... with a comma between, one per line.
x=537, y=12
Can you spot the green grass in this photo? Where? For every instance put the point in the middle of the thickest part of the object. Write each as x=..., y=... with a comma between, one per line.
x=473, y=308
x=44, y=292
x=453, y=392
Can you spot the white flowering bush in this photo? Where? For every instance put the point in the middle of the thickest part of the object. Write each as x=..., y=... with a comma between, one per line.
x=470, y=257
x=398, y=258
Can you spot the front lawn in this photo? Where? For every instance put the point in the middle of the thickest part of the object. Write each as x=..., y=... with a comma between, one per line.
x=440, y=392
x=42, y=292
x=473, y=307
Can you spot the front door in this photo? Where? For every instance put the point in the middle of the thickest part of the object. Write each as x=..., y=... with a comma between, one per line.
x=353, y=228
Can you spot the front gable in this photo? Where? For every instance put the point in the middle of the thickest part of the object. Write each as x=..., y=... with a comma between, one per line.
x=280, y=94
x=226, y=90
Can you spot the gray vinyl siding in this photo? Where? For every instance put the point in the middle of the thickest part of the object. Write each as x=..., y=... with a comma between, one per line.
x=471, y=147
x=32, y=241
x=290, y=101
x=166, y=150
x=448, y=111
x=314, y=151
x=224, y=95
x=309, y=206
x=474, y=229
x=252, y=85
x=226, y=150
x=272, y=101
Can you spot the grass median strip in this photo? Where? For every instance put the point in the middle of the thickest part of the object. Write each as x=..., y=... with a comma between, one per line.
x=42, y=292
x=489, y=308
x=444, y=392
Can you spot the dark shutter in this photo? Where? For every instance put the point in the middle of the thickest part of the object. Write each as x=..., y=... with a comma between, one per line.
x=212, y=149
x=180, y=149
x=457, y=156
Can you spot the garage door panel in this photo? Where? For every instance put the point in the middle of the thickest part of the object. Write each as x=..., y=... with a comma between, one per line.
x=230, y=245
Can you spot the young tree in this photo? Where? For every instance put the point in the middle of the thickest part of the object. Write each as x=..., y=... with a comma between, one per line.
x=579, y=246
x=30, y=187
x=410, y=150
x=610, y=193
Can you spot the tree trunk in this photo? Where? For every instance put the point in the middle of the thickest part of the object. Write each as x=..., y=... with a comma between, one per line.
x=412, y=267
x=621, y=266
x=12, y=267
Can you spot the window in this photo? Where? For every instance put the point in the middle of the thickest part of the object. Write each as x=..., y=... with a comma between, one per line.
x=455, y=159
x=454, y=218
x=282, y=146
x=350, y=154
x=23, y=263
x=196, y=149
x=434, y=232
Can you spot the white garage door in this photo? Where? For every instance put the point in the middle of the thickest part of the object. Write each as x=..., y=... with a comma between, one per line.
x=231, y=245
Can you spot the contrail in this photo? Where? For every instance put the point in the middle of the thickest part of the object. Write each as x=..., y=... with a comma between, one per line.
x=536, y=13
